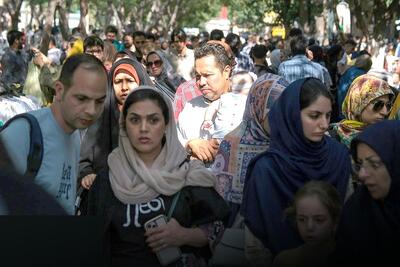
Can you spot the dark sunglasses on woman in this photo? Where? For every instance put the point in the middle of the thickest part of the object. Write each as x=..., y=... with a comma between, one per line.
x=156, y=63
x=378, y=105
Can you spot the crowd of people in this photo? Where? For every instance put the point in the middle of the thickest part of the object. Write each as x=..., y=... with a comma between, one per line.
x=173, y=142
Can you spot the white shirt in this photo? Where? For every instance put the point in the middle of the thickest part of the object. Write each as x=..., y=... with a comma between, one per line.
x=185, y=65
x=191, y=118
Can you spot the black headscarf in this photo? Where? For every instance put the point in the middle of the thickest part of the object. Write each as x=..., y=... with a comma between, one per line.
x=369, y=231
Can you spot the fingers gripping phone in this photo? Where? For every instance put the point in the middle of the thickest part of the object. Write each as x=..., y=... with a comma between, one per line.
x=167, y=255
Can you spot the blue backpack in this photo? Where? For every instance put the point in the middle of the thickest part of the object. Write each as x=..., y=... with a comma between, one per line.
x=35, y=154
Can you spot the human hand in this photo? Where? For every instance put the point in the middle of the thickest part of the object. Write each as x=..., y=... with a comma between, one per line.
x=88, y=180
x=39, y=59
x=207, y=125
x=171, y=234
x=204, y=150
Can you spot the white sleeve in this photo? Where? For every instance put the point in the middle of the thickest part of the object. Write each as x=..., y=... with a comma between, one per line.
x=181, y=136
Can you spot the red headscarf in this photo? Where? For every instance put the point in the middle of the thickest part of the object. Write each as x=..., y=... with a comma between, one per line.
x=128, y=69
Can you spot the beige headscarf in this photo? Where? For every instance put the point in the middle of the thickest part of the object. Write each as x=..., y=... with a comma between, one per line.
x=133, y=182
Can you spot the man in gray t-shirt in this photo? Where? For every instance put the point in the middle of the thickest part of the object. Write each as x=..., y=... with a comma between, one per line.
x=78, y=103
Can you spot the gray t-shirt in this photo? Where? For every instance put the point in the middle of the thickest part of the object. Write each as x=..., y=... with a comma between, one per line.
x=58, y=172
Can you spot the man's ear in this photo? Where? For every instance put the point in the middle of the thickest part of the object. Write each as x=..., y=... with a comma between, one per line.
x=59, y=88
x=226, y=72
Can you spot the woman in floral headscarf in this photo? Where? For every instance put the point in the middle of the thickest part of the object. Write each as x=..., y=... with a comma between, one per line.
x=368, y=100
x=250, y=138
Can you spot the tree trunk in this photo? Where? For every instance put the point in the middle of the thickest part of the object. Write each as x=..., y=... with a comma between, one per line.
x=172, y=21
x=51, y=8
x=361, y=22
x=116, y=16
x=84, y=8
x=63, y=21
x=36, y=14
x=109, y=14
x=327, y=27
x=14, y=8
x=302, y=20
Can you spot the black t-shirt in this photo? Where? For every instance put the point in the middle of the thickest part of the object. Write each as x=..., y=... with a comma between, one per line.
x=125, y=245
x=127, y=232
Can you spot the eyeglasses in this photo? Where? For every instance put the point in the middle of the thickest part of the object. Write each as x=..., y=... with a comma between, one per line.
x=368, y=165
x=156, y=63
x=378, y=105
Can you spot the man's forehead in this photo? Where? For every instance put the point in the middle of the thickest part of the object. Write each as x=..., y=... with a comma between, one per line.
x=207, y=62
x=82, y=73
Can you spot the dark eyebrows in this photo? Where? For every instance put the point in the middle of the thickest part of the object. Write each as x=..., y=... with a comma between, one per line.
x=373, y=157
x=318, y=112
x=85, y=97
x=370, y=158
x=102, y=98
x=133, y=114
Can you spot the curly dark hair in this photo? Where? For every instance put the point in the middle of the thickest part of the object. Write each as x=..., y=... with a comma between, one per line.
x=218, y=51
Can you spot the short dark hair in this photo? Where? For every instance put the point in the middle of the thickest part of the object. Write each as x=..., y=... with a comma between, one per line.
x=218, y=51
x=350, y=42
x=76, y=30
x=127, y=34
x=179, y=34
x=52, y=40
x=12, y=36
x=138, y=33
x=150, y=36
x=88, y=62
x=233, y=40
x=258, y=51
x=216, y=34
x=143, y=93
x=293, y=32
x=91, y=41
x=111, y=28
x=318, y=52
x=313, y=88
x=298, y=45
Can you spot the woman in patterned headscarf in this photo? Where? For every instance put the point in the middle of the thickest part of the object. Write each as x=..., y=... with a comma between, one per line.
x=368, y=100
x=250, y=138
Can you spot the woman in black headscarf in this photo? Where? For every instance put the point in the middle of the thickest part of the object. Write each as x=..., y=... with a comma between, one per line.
x=369, y=231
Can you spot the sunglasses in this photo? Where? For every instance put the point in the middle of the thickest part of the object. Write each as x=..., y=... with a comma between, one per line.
x=156, y=63
x=378, y=105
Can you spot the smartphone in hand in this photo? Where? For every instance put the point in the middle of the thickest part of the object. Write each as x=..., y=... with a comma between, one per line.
x=167, y=255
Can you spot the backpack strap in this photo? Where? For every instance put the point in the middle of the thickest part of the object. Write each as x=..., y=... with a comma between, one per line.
x=35, y=155
x=173, y=205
